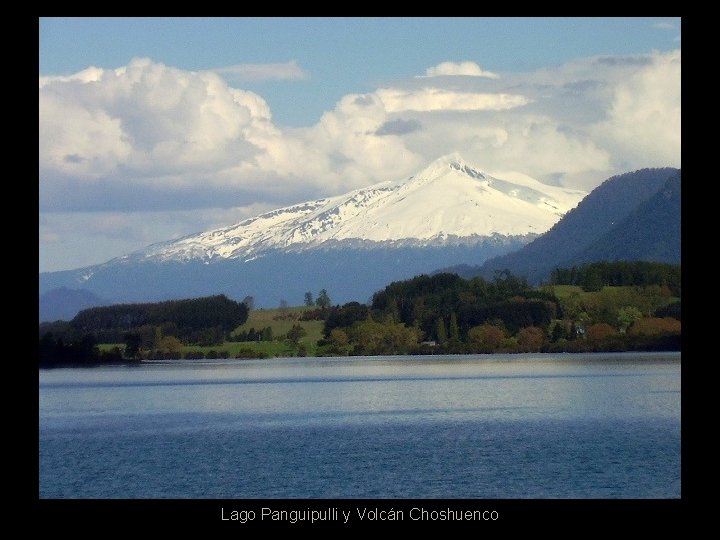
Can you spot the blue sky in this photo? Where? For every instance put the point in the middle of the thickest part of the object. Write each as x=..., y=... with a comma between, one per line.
x=342, y=55
x=190, y=123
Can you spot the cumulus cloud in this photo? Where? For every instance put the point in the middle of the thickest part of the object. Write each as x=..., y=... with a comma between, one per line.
x=148, y=152
x=398, y=127
x=438, y=99
x=263, y=72
x=90, y=74
x=143, y=126
x=642, y=126
x=453, y=69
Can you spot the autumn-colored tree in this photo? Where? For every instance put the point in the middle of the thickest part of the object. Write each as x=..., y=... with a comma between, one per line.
x=652, y=326
x=530, y=338
x=170, y=344
x=486, y=337
x=339, y=341
x=384, y=338
x=599, y=331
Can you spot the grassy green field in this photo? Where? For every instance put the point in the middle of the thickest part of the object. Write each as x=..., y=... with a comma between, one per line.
x=280, y=320
x=565, y=291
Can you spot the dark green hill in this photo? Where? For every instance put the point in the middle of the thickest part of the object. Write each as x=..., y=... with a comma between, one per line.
x=650, y=233
x=633, y=216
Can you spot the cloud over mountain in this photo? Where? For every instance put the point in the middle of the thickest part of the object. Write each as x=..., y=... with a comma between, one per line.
x=151, y=141
x=449, y=211
x=468, y=69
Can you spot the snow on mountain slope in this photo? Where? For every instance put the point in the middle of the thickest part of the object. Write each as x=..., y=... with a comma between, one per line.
x=448, y=200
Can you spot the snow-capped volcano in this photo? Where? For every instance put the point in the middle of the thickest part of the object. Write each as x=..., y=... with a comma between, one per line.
x=451, y=213
x=449, y=201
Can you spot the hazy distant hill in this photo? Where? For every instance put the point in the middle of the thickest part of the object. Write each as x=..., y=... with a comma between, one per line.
x=63, y=303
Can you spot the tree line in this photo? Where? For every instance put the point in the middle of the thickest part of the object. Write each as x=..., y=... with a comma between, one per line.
x=54, y=351
x=623, y=306
x=153, y=330
x=187, y=315
x=449, y=314
x=595, y=276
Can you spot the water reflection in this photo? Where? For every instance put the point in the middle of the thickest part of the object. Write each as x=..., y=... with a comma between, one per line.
x=534, y=416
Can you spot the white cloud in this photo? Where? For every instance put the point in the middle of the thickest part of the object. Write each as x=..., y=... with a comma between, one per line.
x=350, y=151
x=438, y=99
x=263, y=72
x=468, y=69
x=65, y=236
x=663, y=26
x=145, y=124
x=148, y=152
x=529, y=143
x=85, y=142
x=91, y=74
x=642, y=128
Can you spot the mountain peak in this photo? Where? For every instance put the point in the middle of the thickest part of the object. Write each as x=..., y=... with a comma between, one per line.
x=448, y=201
x=452, y=159
x=449, y=162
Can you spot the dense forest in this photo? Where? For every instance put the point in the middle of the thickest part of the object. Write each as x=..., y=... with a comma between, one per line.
x=609, y=306
x=164, y=326
x=601, y=306
x=186, y=315
x=595, y=276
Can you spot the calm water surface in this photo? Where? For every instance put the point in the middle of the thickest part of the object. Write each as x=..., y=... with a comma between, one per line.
x=477, y=426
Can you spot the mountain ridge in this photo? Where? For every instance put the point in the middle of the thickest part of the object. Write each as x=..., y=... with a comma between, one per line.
x=63, y=303
x=448, y=213
x=610, y=223
x=447, y=201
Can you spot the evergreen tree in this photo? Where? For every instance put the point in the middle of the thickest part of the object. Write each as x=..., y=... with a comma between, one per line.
x=441, y=332
x=296, y=333
x=454, y=329
x=323, y=300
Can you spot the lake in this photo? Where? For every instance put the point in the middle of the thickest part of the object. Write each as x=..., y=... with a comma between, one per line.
x=469, y=426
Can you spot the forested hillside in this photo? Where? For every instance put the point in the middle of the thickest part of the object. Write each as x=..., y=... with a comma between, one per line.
x=608, y=306
x=628, y=217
